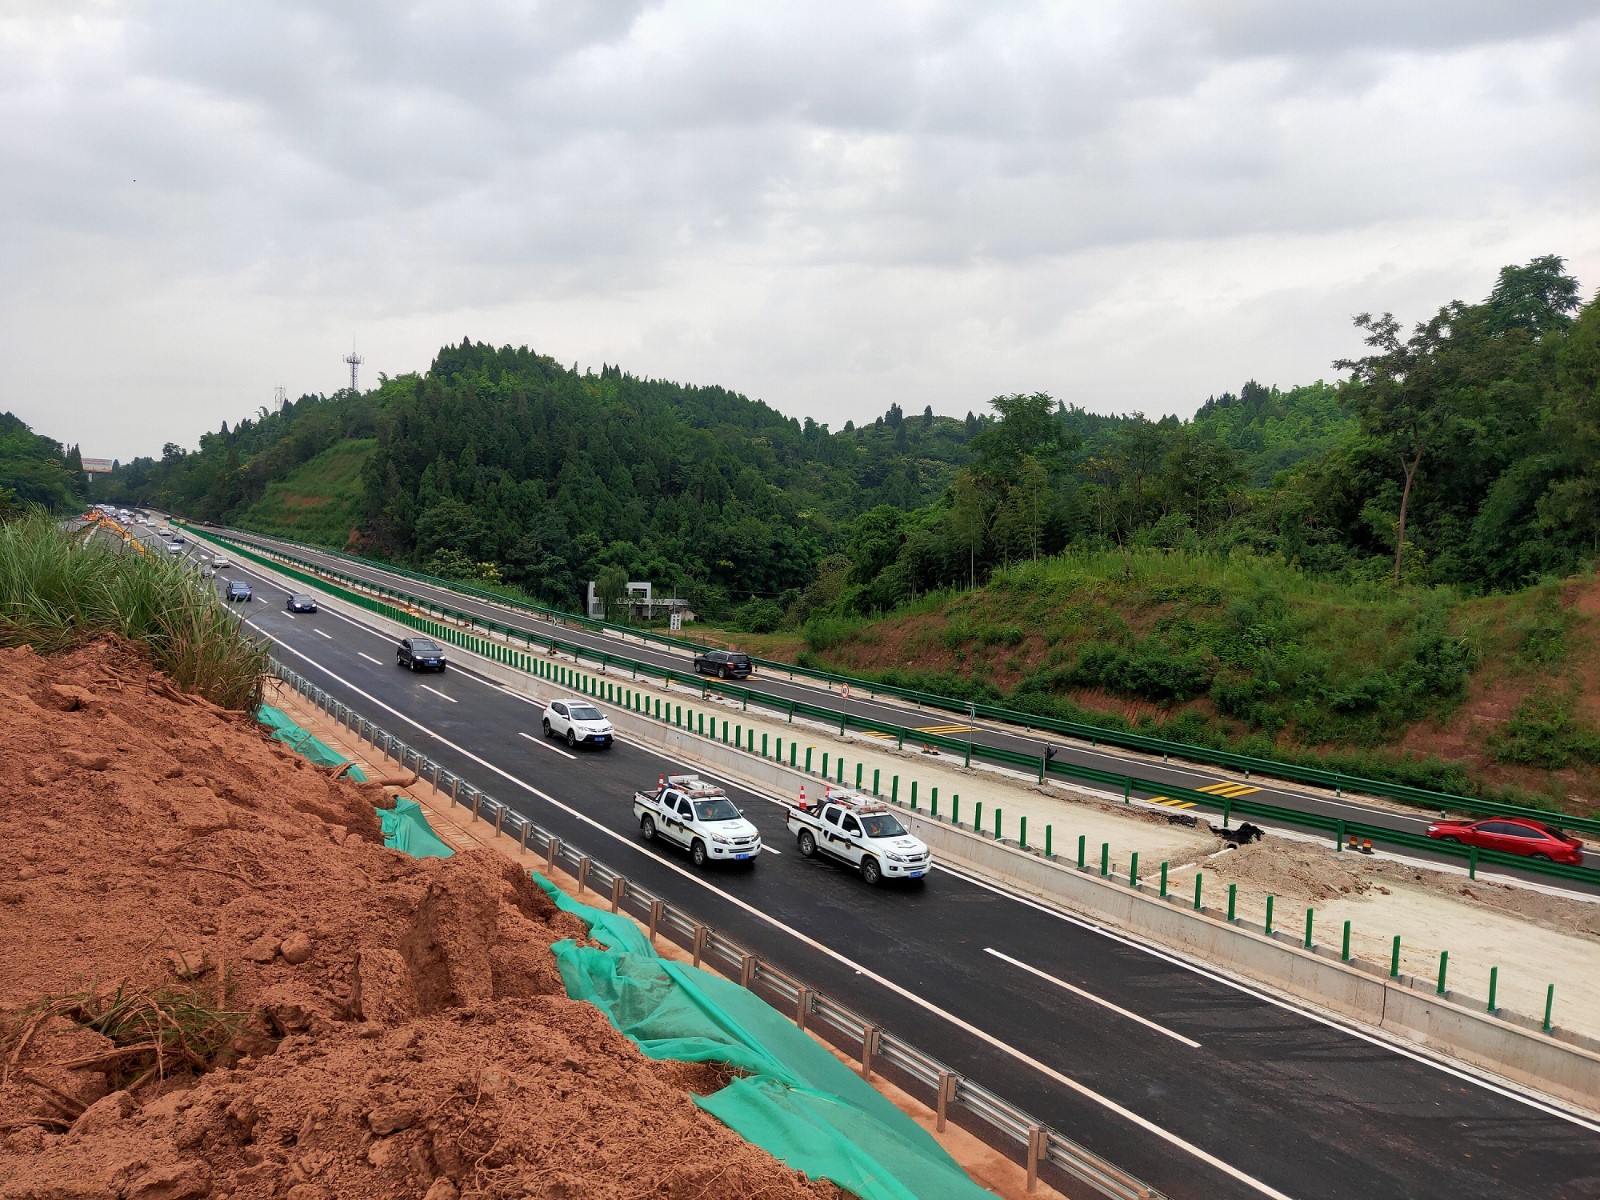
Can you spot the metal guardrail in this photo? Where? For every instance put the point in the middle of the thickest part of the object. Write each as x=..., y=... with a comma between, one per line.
x=877, y=1050
x=462, y=633
x=1093, y=734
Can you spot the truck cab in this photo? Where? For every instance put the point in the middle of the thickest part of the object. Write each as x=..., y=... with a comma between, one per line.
x=686, y=811
x=860, y=831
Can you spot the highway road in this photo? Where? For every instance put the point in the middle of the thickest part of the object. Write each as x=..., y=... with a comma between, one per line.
x=1165, y=775
x=1204, y=1088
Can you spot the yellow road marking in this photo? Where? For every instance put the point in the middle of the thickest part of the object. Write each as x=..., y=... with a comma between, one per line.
x=945, y=729
x=1171, y=803
x=1228, y=787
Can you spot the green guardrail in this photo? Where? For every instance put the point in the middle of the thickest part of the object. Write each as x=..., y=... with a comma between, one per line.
x=1043, y=764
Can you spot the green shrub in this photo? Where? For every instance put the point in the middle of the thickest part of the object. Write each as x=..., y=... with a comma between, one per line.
x=1545, y=732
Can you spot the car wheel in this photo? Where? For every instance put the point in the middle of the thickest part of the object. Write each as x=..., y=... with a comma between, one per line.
x=547, y=727
x=571, y=740
x=723, y=673
x=870, y=871
x=697, y=853
x=1540, y=857
x=647, y=829
x=808, y=844
x=1447, y=838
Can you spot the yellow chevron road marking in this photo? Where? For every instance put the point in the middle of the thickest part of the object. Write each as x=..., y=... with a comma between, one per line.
x=945, y=729
x=1171, y=803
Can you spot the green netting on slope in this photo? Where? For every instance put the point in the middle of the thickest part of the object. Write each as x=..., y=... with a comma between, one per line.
x=405, y=828
x=302, y=742
x=797, y=1102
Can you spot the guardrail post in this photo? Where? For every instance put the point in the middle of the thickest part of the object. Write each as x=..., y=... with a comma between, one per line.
x=1022, y=831
x=455, y=791
x=1133, y=870
x=900, y=738
x=1227, y=808
x=700, y=932
x=477, y=799
x=1036, y=1152
x=1105, y=859
x=840, y=775
x=802, y=1006
x=946, y=1095
x=1233, y=897
x=967, y=761
x=1444, y=963
x=1044, y=762
x=1268, y=926
x=619, y=885
x=1311, y=915
x=522, y=842
x=1197, y=878
x=499, y=819
x=1549, y=1003
x=1338, y=837
x=792, y=750
x=858, y=783
x=913, y=795
x=1082, y=843
x=933, y=798
x=552, y=850
x=764, y=745
x=1494, y=981
x=738, y=737
x=955, y=810
x=1394, y=959
x=1163, y=880
x=977, y=818
x=876, y=792
x=1344, y=951
x=869, y=1049
x=1048, y=832
x=894, y=790
x=997, y=815
x=747, y=971
x=1472, y=862
x=809, y=749
x=791, y=712
x=658, y=909
x=1127, y=791
x=583, y=872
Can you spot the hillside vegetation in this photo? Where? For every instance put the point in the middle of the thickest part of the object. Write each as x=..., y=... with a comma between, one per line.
x=1315, y=570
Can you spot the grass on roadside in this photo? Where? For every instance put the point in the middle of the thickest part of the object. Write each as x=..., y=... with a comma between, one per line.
x=59, y=590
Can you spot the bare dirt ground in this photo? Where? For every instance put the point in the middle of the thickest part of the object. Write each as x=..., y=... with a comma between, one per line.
x=214, y=980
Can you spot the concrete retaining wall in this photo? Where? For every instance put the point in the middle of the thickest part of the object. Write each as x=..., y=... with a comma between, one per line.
x=1527, y=1056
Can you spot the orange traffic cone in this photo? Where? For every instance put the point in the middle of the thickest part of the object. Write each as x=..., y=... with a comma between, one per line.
x=1366, y=845
x=661, y=782
x=802, y=795
x=1354, y=845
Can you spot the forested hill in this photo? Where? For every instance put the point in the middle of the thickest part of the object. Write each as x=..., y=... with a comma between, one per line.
x=36, y=470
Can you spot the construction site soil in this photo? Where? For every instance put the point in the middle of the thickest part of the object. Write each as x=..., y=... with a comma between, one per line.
x=216, y=981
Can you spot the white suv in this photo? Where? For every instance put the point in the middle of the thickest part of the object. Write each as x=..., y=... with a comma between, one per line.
x=576, y=720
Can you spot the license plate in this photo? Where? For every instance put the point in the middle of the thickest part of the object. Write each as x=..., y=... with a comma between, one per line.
x=744, y=855
x=915, y=874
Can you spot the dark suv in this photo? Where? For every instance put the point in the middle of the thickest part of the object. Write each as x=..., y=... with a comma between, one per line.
x=420, y=654
x=724, y=664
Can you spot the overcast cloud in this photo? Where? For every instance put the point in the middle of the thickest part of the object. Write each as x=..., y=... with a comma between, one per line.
x=1129, y=204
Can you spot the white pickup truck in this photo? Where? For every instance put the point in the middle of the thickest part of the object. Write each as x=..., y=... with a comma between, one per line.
x=686, y=811
x=862, y=832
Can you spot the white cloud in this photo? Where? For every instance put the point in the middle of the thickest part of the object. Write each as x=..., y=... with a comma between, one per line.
x=831, y=206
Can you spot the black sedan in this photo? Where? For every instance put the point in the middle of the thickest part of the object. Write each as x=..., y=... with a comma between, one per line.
x=302, y=604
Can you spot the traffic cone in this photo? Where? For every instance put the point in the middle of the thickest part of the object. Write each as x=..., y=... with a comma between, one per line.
x=661, y=782
x=802, y=795
x=1354, y=845
x=1366, y=845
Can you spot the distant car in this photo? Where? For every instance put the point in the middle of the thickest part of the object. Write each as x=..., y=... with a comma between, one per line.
x=302, y=604
x=724, y=664
x=220, y=560
x=1512, y=835
x=175, y=546
x=577, y=721
x=238, y=589
x=420, y=654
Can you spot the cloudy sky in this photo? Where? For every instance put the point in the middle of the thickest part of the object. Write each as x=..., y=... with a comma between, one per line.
x=1129, y=204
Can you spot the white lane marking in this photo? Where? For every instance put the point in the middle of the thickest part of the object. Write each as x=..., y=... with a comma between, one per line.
x=288, y=614
x=1078, y=991
x=904, y=993
x=440, y=694
x=537, y=741
x=1202, y=969
x=369, y=658
x=768, y=849
x=319, y=633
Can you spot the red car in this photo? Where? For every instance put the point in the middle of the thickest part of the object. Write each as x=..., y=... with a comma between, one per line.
x=1512, y=835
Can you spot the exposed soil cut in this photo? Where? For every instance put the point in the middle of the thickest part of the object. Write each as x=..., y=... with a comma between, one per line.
x=354, y=1022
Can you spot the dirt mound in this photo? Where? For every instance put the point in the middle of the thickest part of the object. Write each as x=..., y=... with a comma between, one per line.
x=216, y=981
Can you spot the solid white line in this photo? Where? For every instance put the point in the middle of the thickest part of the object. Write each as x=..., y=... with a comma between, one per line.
x=904, y=993
x=545, y=742
x=1078, y=991
x=369, y=658
x=1202, y=969
x=438, y=693
x=319, y=633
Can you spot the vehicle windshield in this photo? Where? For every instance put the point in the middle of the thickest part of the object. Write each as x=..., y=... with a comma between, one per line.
x=882, y=826
x=423, y=646
x=584, y=712
x=716, y=810
x=302, y=599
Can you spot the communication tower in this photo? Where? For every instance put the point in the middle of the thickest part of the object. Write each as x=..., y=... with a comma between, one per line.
x=355, y=360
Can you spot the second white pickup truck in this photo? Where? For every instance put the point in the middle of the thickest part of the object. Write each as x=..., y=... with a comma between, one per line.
x=862, y=832
x=686, y=811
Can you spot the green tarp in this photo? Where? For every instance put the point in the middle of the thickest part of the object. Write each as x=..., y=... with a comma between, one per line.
x=302, y=742
x=796, y=1100
x=405, y=828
